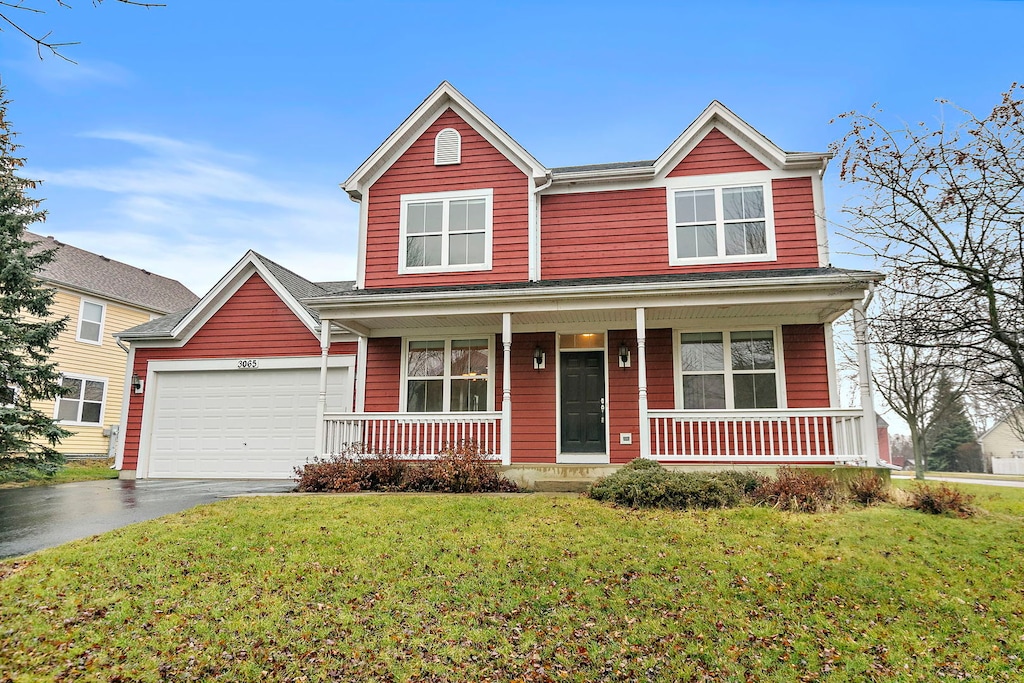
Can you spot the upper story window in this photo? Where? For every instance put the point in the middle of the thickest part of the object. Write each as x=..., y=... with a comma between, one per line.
x=447, y=375
x=90, y=322
x=728, y=370
x=446, y=231
x=721, y=224
x=83, y=400
x=447, y=147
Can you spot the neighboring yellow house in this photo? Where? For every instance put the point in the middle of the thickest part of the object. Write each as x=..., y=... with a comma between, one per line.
x=100, y=296
x=1003, y=448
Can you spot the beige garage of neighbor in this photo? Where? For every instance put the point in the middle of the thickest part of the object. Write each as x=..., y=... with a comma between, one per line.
x=225, y=419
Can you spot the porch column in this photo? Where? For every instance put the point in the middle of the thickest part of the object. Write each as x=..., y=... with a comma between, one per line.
x=869, y=425
x=641, y=380
x=321, y=403
x=506, y=390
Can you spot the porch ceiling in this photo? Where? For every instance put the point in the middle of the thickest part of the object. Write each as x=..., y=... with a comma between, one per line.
x=788, y=297
x=612, y=318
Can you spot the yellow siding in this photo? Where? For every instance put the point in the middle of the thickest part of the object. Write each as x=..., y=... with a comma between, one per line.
x=1001, y=442
x=105, y=360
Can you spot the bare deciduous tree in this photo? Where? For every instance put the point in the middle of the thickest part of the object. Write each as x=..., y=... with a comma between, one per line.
x=942, y=210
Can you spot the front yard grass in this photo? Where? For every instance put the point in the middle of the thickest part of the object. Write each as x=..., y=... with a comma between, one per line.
x=523, y=588
x=72, y=471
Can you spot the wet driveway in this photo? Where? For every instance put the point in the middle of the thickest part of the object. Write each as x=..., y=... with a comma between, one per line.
x=40, y=517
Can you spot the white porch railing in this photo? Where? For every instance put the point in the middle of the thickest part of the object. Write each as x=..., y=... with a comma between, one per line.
x=802, y=435
x=417, y=435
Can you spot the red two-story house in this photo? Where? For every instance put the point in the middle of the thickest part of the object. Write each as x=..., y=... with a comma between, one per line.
x=678, y=309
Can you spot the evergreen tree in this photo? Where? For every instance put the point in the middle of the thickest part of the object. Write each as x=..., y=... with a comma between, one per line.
x=27, y=332
x=950, y=431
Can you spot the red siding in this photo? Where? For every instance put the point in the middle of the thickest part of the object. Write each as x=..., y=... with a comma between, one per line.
x=383, y=374
x=661, y=380
x=483, y=166
x=796, y=230
x=803, y=348
x=623, y=398
x=254, y=322
x=533, y=400
x=625, y=232
x=716, y=153
x=598, y=234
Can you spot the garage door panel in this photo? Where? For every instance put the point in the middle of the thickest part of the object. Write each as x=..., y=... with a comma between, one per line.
x=238, y=424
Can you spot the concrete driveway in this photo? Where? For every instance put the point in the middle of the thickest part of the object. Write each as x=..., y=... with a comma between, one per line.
x=40, y=517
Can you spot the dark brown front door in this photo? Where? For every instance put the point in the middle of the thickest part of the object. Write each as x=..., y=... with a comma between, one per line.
x=583, y=402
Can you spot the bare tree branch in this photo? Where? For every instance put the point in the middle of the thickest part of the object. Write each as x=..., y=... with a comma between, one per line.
x=8, y=8
x=942, y=209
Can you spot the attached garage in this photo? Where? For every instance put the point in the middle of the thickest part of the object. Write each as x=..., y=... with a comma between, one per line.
x=237, y=419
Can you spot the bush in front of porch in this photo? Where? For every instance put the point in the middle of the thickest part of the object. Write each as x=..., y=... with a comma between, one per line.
x=460, y=467
x=645, y=483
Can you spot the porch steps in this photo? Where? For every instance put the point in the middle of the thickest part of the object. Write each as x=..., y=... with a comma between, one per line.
x=556, y=478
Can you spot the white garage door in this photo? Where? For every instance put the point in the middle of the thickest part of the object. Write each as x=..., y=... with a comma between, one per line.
x=238, y=424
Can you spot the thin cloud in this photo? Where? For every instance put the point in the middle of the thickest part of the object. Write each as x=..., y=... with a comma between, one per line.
x=188, y=211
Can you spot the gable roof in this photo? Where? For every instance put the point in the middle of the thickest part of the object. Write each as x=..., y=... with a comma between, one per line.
x=90, y=273
x=444, y=97
x=715, y=116
x=288, y=285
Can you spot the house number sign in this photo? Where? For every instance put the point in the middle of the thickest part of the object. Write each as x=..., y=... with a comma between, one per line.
x=248, y=364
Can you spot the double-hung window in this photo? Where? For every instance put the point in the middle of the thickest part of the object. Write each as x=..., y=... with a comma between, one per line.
x=90, y=322
x=446, y=231
x=721, y=224
x=728, y=370
x=447, y=375
x=82, y=402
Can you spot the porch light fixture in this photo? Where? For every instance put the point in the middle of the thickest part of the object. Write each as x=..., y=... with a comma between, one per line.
x=538, y=358
x=623, y=355
x=137, y=384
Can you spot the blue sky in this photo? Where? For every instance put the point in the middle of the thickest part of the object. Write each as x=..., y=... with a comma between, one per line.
x=190, y=133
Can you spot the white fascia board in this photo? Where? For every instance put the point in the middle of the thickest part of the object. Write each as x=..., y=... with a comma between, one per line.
x=224, y=290
x=444, y=96
x=756, y=143
x=639, y=292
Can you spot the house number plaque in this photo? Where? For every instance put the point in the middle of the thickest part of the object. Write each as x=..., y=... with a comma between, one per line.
x=248, y=364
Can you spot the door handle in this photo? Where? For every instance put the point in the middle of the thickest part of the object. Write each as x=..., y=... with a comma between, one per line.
x=602, y=410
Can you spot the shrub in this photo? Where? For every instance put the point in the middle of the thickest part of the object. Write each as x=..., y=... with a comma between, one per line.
x=941, y=499
x=459, y=468
x=800, y=490
x=30, y=467
x=645, y=483
x=867, y=488
x=745, y=480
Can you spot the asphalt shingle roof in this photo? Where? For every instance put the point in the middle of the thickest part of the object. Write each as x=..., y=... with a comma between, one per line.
x=614, y=166
x=85, y=271
x=626, y=280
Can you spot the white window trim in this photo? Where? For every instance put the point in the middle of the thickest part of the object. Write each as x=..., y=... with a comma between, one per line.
x=103, y=404
x=730, y=399
x=447, y=197
x=701, y=184
x=81, y=319
x=447, y=377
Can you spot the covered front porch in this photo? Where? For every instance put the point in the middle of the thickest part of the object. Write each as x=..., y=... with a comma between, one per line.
x=685, y=370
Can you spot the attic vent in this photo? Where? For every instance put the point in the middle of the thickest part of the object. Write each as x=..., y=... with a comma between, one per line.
x=448, y=147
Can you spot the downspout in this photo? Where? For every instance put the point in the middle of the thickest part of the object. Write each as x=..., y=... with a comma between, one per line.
x=534, y=233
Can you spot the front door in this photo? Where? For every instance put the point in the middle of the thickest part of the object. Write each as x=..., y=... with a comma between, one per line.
x=583, y=402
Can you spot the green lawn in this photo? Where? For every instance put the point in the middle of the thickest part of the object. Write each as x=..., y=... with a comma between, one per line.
x=523, y=587
x=75, y=470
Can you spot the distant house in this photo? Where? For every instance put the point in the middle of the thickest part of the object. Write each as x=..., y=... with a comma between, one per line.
x=1003, y=448
x=100, y=296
